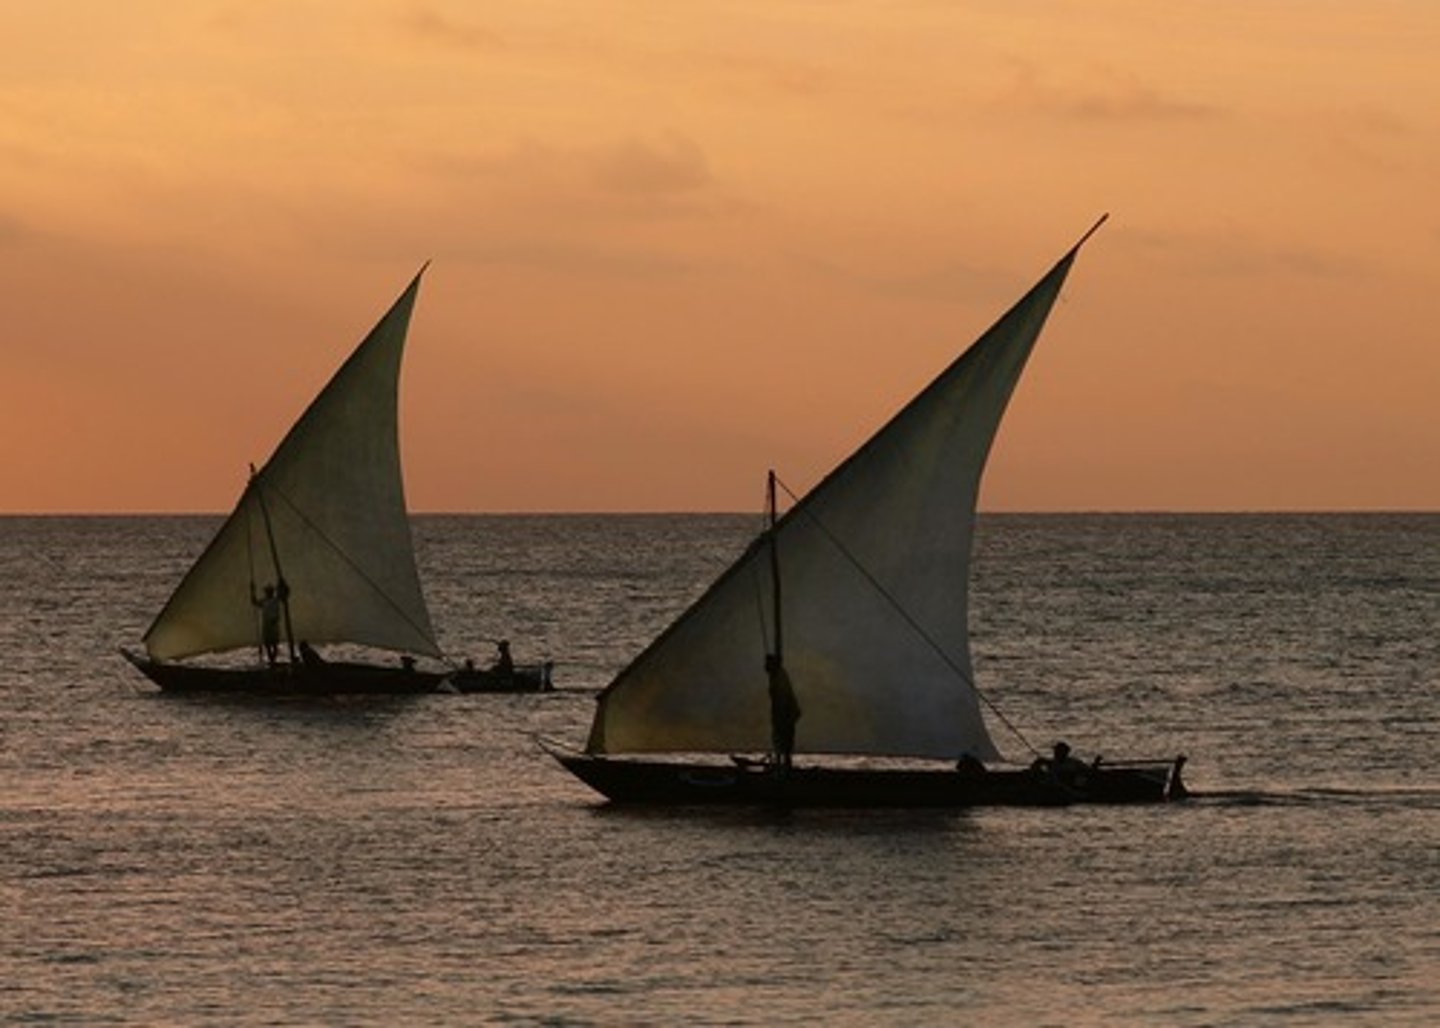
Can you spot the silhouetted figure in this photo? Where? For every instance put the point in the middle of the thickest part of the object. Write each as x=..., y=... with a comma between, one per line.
x=969, y=764
x=504, y=664
x=1066, y=768
x=270, y=606
x=309, y=657
x=784, y=712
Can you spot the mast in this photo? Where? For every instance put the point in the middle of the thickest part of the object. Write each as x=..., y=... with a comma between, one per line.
x=774, y=548
x=250, y=562
x=281, y=588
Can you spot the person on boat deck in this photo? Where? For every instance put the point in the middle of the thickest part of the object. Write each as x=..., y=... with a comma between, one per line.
x=308, y=655
x=504, y=663
x=784, y=711
x=1065, y=766
x=269, y=605
x=969, y=764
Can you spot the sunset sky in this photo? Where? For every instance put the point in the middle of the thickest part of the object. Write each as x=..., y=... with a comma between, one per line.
x=676, y=244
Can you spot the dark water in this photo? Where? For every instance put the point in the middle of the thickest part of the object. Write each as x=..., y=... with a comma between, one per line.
x=381, y=862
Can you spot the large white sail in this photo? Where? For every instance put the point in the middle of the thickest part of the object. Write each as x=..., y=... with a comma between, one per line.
x=334, y=498
x=875, y=566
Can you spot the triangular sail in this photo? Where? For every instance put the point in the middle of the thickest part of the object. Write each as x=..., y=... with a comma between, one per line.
x=876, y=566
x=335, y=499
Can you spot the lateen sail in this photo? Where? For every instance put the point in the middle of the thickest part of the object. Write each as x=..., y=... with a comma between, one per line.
x=876, y=568
x=335, y=499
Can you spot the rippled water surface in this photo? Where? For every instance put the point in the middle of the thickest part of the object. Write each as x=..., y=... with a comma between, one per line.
x=421, y=861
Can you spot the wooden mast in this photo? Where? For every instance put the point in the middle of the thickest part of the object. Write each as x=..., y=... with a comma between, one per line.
x=282, y=588
x=774, y=566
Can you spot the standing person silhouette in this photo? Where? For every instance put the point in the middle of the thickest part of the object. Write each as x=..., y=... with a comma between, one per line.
x=270, y=604
x=504, y=663
x=784, y=712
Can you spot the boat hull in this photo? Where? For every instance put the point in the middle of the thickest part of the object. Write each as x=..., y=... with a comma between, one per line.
x=743, y=782
x=526, y=678
x=333, y=678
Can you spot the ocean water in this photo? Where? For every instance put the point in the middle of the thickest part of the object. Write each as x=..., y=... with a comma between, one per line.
x=420, y=861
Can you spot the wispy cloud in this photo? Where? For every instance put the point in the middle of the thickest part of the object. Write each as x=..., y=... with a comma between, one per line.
x=946, y=281
x=1370, y=139
x=636, y=167
x=1109, y=98
x=631, y=176
x=763, y=77
x=427, y=24
x=1235, y=255
x=13, y=231
x=576, y=257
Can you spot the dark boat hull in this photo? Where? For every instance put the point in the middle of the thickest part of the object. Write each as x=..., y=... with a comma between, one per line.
x=333, y=678
x=522, y=679
x=742, y=782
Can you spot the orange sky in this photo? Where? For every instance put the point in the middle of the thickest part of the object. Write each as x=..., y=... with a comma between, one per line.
x=675, y=244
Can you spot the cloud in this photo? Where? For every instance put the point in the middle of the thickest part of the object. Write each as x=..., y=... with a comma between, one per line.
x=1376, y=120
x=427, y=24
x=1134, y=103
x=1370, y=140
x=952, y=281
x=1116, y=99
x=629, y=177
x=790, y=79
x=1233, y=256
x=14, y=232
x=635, y=167
x=574, y=257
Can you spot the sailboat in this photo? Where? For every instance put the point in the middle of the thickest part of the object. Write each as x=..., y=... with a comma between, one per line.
x=317, y=551
x=504, y=675
x=858, y=597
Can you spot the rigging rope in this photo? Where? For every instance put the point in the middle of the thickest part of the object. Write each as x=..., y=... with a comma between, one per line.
x=899, y=609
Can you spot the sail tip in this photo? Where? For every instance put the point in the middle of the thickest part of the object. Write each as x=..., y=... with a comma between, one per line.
x=1091, y=231
x=415, y=282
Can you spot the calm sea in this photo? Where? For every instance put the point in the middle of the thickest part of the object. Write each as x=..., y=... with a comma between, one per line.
x=181, y=861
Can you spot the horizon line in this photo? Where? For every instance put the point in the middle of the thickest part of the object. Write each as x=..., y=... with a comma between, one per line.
x=1023, y=512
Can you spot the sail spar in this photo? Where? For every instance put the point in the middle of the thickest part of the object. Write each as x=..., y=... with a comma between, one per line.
x=876, y=565
x=335, y=499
